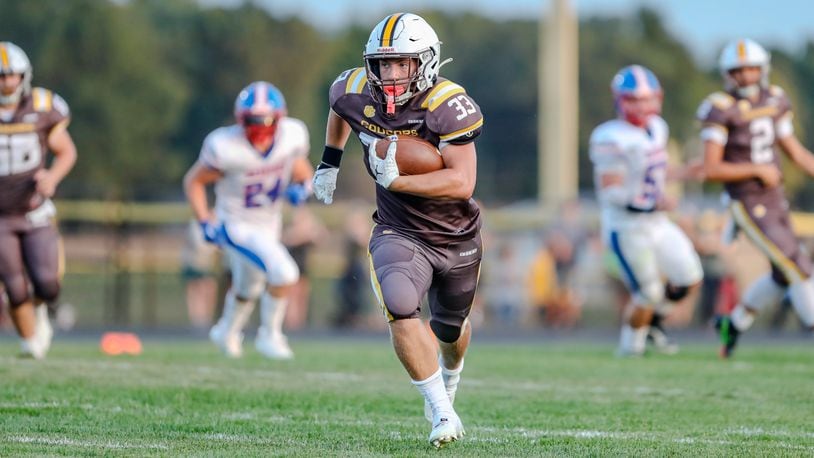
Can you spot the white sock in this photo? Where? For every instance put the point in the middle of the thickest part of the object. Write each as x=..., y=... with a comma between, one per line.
x=272, y=313
x=762, y=293
x=41, y=311
x=451, y=378
x=236, y=313
x=633, y=340
x=435, y=393
x=741, y=318
x=801, y=294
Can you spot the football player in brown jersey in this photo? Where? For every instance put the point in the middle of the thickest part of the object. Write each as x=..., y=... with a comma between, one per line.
x=32, y=121
x=427, y=233
x=741, y=127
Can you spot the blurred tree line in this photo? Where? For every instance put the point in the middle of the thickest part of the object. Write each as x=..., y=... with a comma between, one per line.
x=148, y=79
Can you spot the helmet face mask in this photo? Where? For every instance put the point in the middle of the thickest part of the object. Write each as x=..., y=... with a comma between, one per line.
x=14, y=61
x=258, y=109
x=741, y=54
x=637, y=94
x=402, y=36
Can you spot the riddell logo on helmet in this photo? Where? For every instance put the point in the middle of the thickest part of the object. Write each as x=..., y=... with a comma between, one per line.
x=387, y=49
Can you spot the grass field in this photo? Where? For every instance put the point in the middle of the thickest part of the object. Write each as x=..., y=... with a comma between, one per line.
x=348, y=397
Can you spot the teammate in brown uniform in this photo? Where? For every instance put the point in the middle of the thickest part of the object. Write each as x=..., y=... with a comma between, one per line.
x=32, y=121
x=740, y=129
x=427, y=233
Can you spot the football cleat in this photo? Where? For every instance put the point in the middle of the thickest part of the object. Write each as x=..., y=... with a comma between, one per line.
x=32, y=348
x=231, y=344
x=447, y=427
x=272, y=345
x=729, y=335
x=661, y=341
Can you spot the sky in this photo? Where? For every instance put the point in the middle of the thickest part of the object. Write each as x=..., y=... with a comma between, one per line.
x=704, y=25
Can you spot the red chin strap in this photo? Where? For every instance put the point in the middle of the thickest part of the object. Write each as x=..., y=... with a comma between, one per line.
x=391, y=92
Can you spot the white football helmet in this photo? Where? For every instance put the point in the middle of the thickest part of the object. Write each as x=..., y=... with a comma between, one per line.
x=13, y=60
x=744, y=53
x=403, y=35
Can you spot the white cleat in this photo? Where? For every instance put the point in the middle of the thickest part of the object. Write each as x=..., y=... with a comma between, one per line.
x=662, y=342
x=273, y=346
x=446, y=428
x=31, y=348
x=428, y=409
x=231, y=344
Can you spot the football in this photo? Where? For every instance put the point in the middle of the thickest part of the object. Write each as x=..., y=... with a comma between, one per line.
x=414, y=156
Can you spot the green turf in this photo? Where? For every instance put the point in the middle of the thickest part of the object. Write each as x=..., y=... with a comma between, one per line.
x=346, y=398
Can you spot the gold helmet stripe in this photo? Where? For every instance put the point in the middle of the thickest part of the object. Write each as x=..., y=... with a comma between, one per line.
x=3, y=57
x=389, y=28
x=741, y=51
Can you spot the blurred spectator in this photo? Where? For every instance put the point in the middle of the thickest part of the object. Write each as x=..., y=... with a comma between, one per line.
x=299, y=237
x=556, y=302
x=354, y=283
x=504, y=286
x=198, y=268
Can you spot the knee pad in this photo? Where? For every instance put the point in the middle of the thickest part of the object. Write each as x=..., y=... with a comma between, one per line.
x=47, y=290
x=675, y=293
x=399, y=294
x=649, y=294
x=17, y=291
x=445, y=332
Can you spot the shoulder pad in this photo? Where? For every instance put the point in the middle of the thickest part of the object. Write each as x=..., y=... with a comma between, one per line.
x=43, y=99
x=721, y=100
x=607, y=132
x=351, y=81
x=440, y=93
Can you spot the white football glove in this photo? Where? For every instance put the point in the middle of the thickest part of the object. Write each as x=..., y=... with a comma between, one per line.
x=325, y=184
x=385, y=170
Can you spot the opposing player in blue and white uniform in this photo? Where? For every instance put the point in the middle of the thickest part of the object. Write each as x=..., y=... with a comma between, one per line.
x=254, y=164
x=629, y=154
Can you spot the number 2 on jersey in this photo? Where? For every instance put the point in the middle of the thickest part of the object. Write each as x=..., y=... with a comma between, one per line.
x=253, y=194
x=762, y=130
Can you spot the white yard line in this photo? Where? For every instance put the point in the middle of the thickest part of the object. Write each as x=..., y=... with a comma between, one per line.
x=44, y=440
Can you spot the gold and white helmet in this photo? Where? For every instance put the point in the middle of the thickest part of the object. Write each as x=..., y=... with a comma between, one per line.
x=14, y=61
x=741, y=53
x=403, y=35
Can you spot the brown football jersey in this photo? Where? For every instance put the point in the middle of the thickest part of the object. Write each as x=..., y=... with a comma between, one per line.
x=444, y=113
x=748, y=129
x=23, y=147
